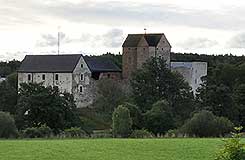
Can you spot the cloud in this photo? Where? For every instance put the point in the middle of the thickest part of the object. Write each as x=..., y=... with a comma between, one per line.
x=49, y=40
x=119, y=13
x=197, y=43
x=237, y=41
x=113, y=38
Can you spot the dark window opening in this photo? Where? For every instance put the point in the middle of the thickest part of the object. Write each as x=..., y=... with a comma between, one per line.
x=81, y=89
x=81, y=65
x=29, y=77
x=81, y=77
x=56, y=77
x=43, y=77
x=108, y=75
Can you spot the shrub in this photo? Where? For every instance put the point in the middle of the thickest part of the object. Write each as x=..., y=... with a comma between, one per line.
x=159, y=119
x=122, y=122
x=7, y=126
x=37, y=132
x=233, y=148
x=75, y=132
x=141, y=134
x=205, y=124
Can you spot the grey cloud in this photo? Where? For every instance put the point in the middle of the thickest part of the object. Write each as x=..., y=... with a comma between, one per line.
x=197, y=43
x=123, y=13
x=113, y=38
x=237, y=41
x=49, y=40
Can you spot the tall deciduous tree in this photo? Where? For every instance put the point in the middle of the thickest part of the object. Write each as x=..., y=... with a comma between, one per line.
x=38, y=105
x=155, y=81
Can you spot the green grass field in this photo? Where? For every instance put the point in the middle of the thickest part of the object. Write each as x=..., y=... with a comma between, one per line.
x=110, y=149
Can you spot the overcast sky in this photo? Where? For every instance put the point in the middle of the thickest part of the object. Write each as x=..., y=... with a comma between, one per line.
x=100, y=26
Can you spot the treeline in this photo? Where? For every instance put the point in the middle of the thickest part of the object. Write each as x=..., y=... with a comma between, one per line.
x=7, y=68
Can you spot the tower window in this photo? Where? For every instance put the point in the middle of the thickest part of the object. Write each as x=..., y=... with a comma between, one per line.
x=56, y=77
x=80, y=89
x=43, y=77
x=81, y=65
x=29, y=77
x=108, y=75
x=82, y=77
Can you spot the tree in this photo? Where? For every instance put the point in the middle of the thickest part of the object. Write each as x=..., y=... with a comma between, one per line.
x=155, y=82
x=110, y=93
x=122, y=122
x=239, y=99
x=7, y=126
x=8, y=97
x=39, y=105
x=159, y=119
x=206, y=124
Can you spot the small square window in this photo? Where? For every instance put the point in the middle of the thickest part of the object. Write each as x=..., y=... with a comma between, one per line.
x=56, y=77
x=82, y=77
x=80, y=89
x=43, y=77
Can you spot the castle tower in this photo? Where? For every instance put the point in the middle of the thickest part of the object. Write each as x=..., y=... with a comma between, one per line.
x=138, y=48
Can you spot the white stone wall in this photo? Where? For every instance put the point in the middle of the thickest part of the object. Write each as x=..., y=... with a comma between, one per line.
x=64, y=82
x=87, y=95
x=192, y=72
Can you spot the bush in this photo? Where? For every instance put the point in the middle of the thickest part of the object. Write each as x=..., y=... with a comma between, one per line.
x=122, y=122
x=205, y=124
x=75, y=132
x=37, y=132
x=159, y=119
x=233, y=148
x=141, y=134
x=7, y=126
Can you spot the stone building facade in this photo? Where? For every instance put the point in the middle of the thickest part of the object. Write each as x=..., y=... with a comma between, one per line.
x=138, y=48
x=70, y=73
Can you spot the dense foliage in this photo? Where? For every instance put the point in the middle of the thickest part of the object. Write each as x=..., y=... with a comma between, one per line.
x=37, y=132
x=233, y=148
x=39, y=105
x=7, y=68
x=154, y=82
x=160, y=118
x=143, y=133
x=121, y=122
x=205, y=124
x=7, y=126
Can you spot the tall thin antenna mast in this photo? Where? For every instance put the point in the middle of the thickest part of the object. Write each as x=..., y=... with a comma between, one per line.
x=58, y=40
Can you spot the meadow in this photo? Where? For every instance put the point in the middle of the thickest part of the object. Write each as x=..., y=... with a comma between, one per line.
x=110, y=149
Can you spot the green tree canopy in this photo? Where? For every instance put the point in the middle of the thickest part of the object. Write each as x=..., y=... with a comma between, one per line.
x=39, y=105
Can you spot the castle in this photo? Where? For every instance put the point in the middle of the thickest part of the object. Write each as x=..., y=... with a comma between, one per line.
x=77, y=74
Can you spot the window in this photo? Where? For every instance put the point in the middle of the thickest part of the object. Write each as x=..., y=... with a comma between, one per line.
x=80, y=89
x=43, y=77
x=157, y=48
x=143, y=48
x=82, y=78
x=29, y=77
x=56, y=77
x=81, y=65
x=162, y=49
x=108, y=75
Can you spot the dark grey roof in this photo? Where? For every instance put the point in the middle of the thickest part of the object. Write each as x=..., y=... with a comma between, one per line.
x=152, y=39
x=49, y=63
x=101, y=64
x=132, y=40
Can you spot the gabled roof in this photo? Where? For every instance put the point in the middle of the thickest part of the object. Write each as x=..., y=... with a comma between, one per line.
x=152, y=39
x=101, y=64
x=49, y=63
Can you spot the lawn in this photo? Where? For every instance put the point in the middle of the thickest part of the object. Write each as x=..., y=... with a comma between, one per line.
x=109, y=149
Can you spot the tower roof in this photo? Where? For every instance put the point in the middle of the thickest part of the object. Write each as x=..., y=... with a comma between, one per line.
x=152, y=39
